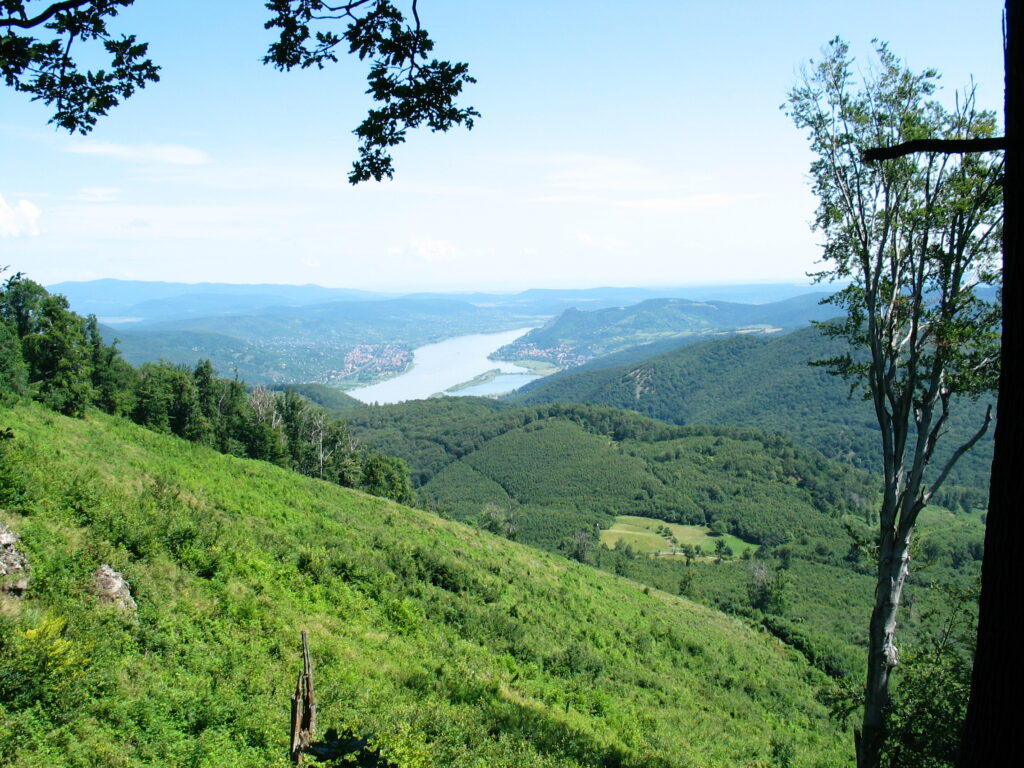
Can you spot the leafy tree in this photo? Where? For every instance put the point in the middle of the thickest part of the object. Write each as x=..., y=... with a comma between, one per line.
x=153, y=398
x=915, y=237
x=38, y=40
x=22, y=300
x=388, y=477
x=58, y=358
x=722, y=550
x=13, y=373
x=113, y=379
x=499, y=520
x=767, y=589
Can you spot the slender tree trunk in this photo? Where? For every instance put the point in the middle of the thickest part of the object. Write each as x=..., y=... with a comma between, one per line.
x=893, y=562
x=993, y=728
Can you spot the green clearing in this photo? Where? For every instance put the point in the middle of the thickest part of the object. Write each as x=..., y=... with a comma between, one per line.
x=641, y=533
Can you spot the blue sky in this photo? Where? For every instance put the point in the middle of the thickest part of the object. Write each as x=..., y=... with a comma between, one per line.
x=631, y=143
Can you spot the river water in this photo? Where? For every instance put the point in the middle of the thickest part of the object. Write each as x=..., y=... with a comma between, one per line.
x=436, y=367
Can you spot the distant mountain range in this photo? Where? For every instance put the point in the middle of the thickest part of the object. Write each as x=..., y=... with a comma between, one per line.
x=116, y=301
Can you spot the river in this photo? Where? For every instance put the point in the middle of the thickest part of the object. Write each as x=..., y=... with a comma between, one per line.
x=437, y=367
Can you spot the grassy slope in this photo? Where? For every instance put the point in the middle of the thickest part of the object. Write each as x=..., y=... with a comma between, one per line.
x=450, y=646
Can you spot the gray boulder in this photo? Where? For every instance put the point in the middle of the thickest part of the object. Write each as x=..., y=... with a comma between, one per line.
x=112, y=588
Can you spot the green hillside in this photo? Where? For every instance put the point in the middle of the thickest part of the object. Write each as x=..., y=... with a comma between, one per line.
x=442, y=645
x=577, y=336
x=764, y=383
x=334, y=401
x=560, y=477
x=567, y=468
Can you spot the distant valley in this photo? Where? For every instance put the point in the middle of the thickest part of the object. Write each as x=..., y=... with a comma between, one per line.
x=281, y=334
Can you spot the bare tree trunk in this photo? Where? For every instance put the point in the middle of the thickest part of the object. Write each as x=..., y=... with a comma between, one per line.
x=893, y=563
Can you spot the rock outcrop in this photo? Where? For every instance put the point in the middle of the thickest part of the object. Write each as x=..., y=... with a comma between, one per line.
x=14, y=572
x=112, y=588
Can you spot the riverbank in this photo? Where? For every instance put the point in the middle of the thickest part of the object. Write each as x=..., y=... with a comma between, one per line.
x=462, y=362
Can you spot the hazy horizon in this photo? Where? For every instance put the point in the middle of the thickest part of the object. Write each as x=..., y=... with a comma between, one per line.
x=645, y=148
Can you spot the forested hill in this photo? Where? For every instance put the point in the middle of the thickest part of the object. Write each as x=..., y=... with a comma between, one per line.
x=577, y=336
x=765, y=383
x=571, y=469
x=433, y=644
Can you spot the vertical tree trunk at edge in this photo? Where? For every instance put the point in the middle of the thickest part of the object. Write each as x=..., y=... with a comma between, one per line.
x=993, y=729
x=892, y=574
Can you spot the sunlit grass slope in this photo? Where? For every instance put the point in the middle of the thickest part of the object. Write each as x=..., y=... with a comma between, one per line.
x=444, y=645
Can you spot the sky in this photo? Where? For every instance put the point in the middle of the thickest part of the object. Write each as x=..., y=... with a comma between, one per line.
x=625, y=144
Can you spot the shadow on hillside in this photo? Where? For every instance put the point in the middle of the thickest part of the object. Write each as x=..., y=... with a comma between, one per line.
x=550, y=734
x=346, y=750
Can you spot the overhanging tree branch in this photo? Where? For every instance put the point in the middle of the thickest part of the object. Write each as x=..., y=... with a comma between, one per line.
x=49, y=13
x=945, y=146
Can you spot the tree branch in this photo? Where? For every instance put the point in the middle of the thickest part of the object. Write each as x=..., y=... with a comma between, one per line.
x=957, y=454
x=49, y=13
x=946, y=146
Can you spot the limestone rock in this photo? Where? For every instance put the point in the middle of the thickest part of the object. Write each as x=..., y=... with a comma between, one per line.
x=112, y=588
x=13, y=563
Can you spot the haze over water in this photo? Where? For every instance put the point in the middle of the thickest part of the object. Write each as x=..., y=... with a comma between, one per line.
x=436, y=367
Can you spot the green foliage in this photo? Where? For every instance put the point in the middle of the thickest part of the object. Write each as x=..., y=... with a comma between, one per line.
x=53, y=345
x=13, y=371
x=932, y=687
x=444, y=645
x=764, y=383
x=388, y=477
x=585, y=465
x=767, y=589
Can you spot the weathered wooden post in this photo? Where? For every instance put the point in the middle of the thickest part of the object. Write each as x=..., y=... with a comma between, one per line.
x=303, y=706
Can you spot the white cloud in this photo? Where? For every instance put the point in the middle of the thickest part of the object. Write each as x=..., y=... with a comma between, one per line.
x=19, y=219
x=166, y=154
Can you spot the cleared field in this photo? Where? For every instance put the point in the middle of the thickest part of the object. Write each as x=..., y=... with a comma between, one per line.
x=646, y=535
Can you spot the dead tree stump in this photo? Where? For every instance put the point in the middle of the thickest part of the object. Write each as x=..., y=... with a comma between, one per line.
x=303, y=706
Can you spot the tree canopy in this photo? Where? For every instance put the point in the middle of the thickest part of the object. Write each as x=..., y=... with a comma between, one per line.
x=40, y=43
